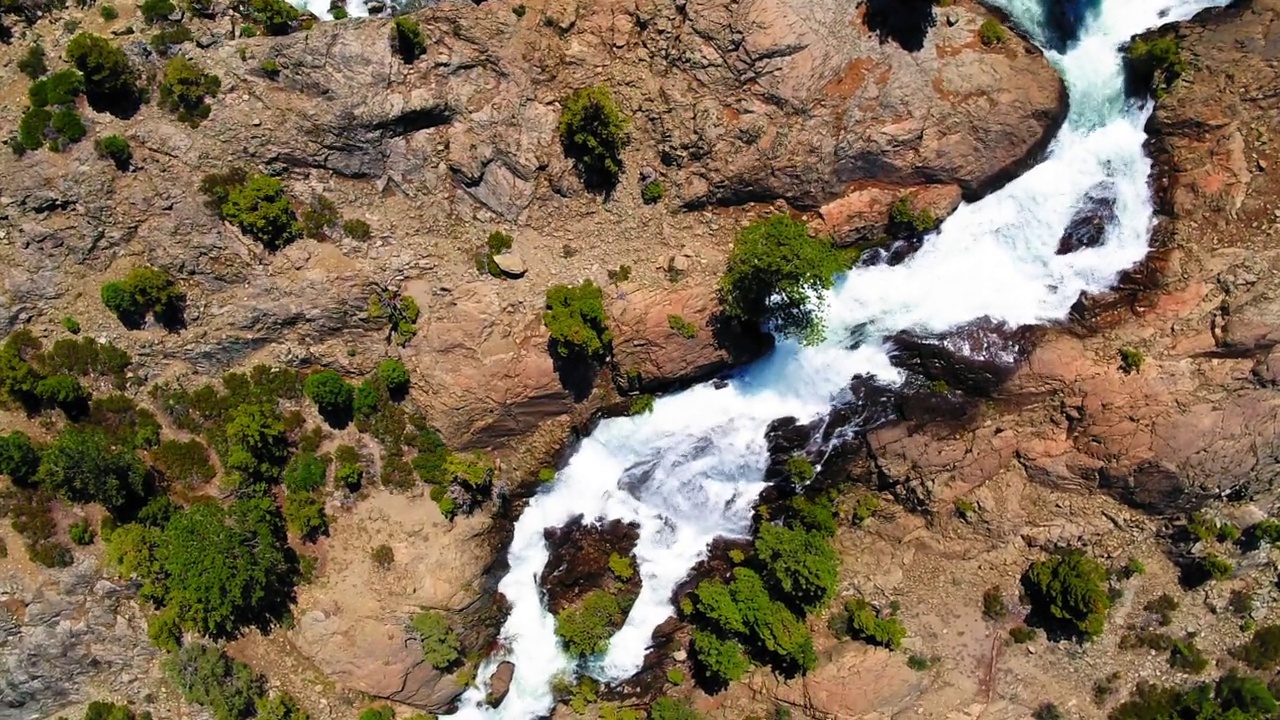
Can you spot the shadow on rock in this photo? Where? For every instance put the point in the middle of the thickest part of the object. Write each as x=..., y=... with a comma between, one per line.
x=905, y=22
x=975, y=359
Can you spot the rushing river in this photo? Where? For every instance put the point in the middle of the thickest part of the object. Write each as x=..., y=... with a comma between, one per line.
x=690, y=470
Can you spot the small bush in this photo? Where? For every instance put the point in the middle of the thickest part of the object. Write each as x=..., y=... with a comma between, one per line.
x=965, y=509
x=622, y=567
x=1163, y=608
x=270, y=68
x=110, y=79
x=440, y=646
x=575, y=319
x=320, y=216
x=992, y=33
x=864, y=506
x=1069, y=589
x=799, y=470
x=652, y=192
x=993, y=607
x=164, y=631
x=907, y=222
x=593, y=133
x=675, y=676
x=154, y=11
x=1262, y=651
x=1048, y=711
x=1155, y=65
x=108, y=12
x=682, y=327
x=1184, y=655
x=205, y=675
x=305, y=516
x=407, y=39
x=356, y=229
x=258, y=205
x=50, y=554
x=143, y=290
x=641, y=405
x=60, y=88
x=32, y=63
x=866, y=625
x=116, y=149
x=276, y=17
x=382, y=557
x=669, y=709
x=183, y=90
x=1216, y=567
x=1131, y=360
x=717, y=662
x=586, y=629
x=1022, y=634
x=519, y=10
x=164, y=43
x=19, y=458
x=394, y=377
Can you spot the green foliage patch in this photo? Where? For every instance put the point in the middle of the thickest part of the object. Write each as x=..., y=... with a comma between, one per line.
x=586, y=629
x=776, y=274
x=1068, y=590
x=593, y=133
x=407, y=39
x=1156, y=64
x=575, y=319
x=205, y=675
x=143, y=290
x=440, y=645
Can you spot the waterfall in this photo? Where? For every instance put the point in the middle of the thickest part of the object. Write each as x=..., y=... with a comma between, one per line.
x=690, y=470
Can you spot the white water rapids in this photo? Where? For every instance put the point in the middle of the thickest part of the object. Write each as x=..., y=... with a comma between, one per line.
x=690, y=470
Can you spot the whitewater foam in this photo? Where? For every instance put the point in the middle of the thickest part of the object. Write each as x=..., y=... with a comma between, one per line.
x=690, y=470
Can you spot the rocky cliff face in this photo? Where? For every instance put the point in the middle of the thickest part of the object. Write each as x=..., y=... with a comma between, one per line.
x=730, y=102
x=1196, y=421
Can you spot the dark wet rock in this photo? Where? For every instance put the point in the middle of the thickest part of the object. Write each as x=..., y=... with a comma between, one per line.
x=579, y=560
x=1134, y=291
x=1065, y=18
x=975, y=359
x=1088, y=227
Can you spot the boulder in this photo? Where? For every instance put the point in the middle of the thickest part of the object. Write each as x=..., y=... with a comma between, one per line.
x=511, y=264
x=578, y=562
x=1088, y=226
x=975, y=358
x=500, y=683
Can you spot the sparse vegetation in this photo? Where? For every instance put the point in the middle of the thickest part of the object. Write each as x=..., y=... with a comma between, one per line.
x=593, y=133
x=1216, y=567
x=1238, y=697
x=1022, y=634
x=586, y=628
x=682, y=327
x=622, y=567
x=867, y=625
x=81, y=532
x=1262, y=651
x=1163, y=608
x=401, y=312
x=775, y=275
x=992, y=33
x=33, y=63
x=270, y=68
x=407, y=39
x=356, y=229
x=383, y=557
x=497, y=243
x=640, y=405
x=652, y=192
x=320, y=216
x=905, y=221
x=993, y=606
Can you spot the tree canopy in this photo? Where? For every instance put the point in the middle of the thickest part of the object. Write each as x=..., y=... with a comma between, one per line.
x=1069, y=590
x=776, y=275
x=593, y=132
x=576, y=320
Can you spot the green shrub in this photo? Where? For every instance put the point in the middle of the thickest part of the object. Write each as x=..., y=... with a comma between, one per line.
x=258, y=206
x=440, y=646
x=154, y=11
x=164, y=42
x=164, y=631
x=81, y=532
x=276, y=17
x=919, y=663
x=1131, y=360
x=992, y=33
x=682, y=327
x=866, y=625
x=1216, y=567
x=116, y=149
x=184, y=88
x=378, y=712
x=801, y=565
x=144, y=290
x=270, y=68
x=368, y=399
x=717, y=662
x=622, y=567
x=32, y=63
x=1022, y=634
x=519, y=10
x=63, y=391
x=906, y=222
x=183, y=462
x=331, y=394
x=319, y=217
x=206, y=676
x=586, y=629
x=1238, y=697
x=593, y=133
x=99, y=710
x=1262, y=651
x=864, y=506
x=1263, y=532
x=83, y=466
x=1228, y=533
x=1184, y=655
x=799, y=470
x=280, y=706
x=60, y=88
x=394, y=377
x=110, y=82
x=641, y=405
x=407, y=39
x=340, y=13
x=108, y=12
x=652, y=192
x=19, y=458
x=197, y=566
x=993, y=607
x=382, y=556
x=356, y=229
x=349, y=476
x=1048, y=711
x=400, y=311
x=304, y=514
x=1155, y=64
x=669, y=709
x=576, y=321
x=305, y=473
x=776, y=274
x=965, y=509
x=675, y=676
x=1069, y=589
x=815, y=515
